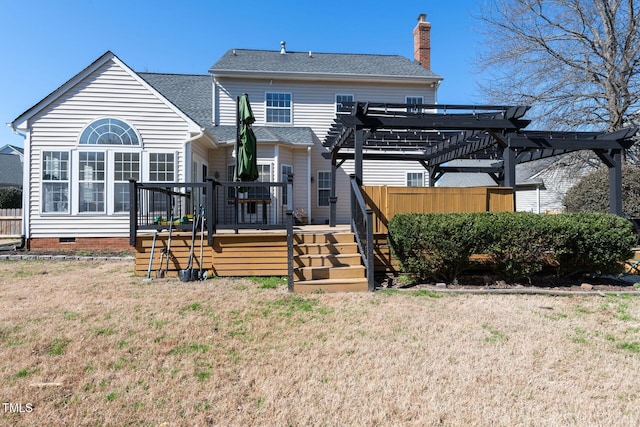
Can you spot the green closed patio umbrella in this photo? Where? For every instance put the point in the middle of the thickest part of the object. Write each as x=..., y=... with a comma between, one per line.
x=246, y=160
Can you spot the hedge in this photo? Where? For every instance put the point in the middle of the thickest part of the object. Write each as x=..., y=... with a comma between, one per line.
x=518, y=244
x=10, y=198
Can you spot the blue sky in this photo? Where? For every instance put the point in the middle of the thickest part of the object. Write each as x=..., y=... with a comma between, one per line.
x=45, y=43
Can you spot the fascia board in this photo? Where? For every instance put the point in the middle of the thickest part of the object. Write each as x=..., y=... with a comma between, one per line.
x=326, y=77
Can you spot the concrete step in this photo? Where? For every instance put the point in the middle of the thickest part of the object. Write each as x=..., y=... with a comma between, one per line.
x=331, y=285
x=319, y=273
x=326, y=260
x=325, y=248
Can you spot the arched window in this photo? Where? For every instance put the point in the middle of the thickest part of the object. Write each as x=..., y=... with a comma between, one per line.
x=109, y=131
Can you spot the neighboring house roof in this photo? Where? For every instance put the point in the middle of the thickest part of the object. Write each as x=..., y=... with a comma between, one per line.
x=10, y=170
x=11, y=149
x=192, y=94
x=526, y=173
x=467, y=179
x=312, y=64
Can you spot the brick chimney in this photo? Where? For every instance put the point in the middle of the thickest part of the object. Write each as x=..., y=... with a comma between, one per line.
x=422, y=42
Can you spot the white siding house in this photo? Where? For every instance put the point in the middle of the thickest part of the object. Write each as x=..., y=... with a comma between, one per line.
x=183, y=127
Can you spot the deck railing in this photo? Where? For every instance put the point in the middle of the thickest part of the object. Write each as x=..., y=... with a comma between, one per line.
x=251, y=205
x=362, y=227
x=169, y=206
x=224, y=205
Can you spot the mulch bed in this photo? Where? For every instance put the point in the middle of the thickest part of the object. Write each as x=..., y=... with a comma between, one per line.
x=471, y=282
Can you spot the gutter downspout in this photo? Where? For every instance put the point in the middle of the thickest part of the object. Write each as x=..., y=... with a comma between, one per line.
x=309, y=184
x=26, y=171
x=187, y=153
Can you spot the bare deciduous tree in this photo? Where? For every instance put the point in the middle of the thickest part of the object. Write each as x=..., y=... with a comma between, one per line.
x=576, y=62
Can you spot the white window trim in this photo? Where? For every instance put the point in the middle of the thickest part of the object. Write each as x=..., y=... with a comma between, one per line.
x=318, y=188
x=284, y=179
x=69, y=182
x=266, y=108
x=406, y=177
x=335, y=100
x=413, y=99
x=109, y=182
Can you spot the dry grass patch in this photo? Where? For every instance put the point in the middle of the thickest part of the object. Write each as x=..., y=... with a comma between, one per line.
x=87, y=343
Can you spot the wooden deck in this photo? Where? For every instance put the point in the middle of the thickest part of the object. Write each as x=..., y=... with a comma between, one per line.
x=247, y=253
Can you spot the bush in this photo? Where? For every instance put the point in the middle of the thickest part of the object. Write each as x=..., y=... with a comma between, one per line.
x=516, y=243
x=10, y=198
x=519, y=244
x=591, y=193
x=433, y=246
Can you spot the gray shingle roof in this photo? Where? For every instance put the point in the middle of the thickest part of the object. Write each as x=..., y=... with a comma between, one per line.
x=10, y=170
x=287, y=135
x=337, y=64
x=190, y=93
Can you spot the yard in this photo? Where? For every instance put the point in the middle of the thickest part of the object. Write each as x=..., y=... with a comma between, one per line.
x=88, y=343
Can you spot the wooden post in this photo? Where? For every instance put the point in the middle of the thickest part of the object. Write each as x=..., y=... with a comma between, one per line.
x=133, y=212
x=289, y=223
x=371, y=284
x=332, y=195
x=210, y=212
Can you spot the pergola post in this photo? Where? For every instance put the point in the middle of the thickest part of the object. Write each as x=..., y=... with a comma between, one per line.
x=615, y=183
x=509, y=163
x=358, y=155
x=332, y=195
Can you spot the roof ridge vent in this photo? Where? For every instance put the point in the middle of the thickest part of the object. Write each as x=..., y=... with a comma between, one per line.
x=283, y=47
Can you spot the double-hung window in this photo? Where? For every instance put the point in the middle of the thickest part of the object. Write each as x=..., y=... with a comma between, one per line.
x=162, y=167
x=324, y=188
x=92, y=182
x=278, y=107
x=412, y=101
x=126, y=166
x=55, y=182
x=340, y=100
x=415, y=179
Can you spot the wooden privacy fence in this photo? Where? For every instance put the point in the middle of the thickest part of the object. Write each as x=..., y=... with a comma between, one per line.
x=10, y=222
x=387, y=201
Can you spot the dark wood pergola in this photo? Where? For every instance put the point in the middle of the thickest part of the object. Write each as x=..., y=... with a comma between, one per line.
x=434, y=135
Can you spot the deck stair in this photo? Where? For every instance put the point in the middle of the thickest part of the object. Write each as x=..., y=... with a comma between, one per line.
x=328, y=262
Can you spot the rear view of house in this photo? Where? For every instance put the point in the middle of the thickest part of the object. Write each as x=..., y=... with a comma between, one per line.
x=109, y=124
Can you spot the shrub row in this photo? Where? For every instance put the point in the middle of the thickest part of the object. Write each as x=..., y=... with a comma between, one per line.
x=518, y=244
x=10, y=198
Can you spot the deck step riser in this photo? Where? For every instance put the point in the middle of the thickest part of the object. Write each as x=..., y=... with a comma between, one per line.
x=320, y=273
x=323, y=238
x=338, y=286
x=316, y=249
x=326, y=261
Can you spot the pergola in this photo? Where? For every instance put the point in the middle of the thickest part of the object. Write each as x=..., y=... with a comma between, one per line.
x=434, y=135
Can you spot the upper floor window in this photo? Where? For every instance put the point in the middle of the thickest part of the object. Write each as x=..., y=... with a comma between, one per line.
x=414, y=100
x=278, y=107
x=109, y=131
x=340, y=99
